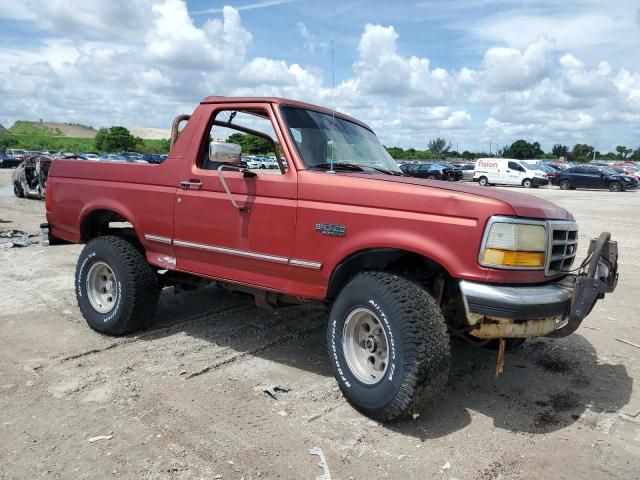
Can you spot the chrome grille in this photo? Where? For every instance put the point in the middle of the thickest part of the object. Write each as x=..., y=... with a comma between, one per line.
x=563, y=246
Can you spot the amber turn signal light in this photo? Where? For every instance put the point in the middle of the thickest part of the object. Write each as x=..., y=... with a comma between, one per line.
x=509, y=258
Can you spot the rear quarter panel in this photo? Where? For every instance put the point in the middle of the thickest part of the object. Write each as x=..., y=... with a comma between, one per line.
x=144, y=194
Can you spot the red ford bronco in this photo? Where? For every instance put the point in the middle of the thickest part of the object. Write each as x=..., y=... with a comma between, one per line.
x=403, y=263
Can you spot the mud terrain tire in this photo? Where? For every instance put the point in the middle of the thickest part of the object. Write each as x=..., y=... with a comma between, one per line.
x=418, y=353
x=112, y=265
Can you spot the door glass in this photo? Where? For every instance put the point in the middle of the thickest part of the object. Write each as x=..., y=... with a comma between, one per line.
x=253, y=132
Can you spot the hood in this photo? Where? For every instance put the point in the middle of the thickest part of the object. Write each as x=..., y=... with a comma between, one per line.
x=523, y=205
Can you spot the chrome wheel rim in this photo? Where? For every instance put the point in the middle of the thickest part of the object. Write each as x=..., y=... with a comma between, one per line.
x=365, y=346
x=102, y=288
x=615, y=187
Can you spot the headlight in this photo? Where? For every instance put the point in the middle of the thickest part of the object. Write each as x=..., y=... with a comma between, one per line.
x=514, y=245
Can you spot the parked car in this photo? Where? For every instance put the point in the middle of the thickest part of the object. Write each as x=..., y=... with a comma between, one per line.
x=268, y=163
x=589, y=176
x=7, y=161
x=403, y=263
x=508, y=171
x=432, y=171
x=153, y=158
x=627, y=170
x=90, y=156
x=16, y=153
x=560, y=167
x=467, y=170
x=550, y=171
x=252, y=162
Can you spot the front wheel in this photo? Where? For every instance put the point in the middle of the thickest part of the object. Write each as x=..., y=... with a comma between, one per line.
x=615, y=187
x=17, y=190
x=116, y=288
x=388, y=344
x=565, y=185
x=527, y=183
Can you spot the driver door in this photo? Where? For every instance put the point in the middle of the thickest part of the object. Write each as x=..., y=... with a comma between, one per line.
x=212, y=237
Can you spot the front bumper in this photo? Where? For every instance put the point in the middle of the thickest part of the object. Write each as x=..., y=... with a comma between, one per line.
x=554, y=309
x=539, y=182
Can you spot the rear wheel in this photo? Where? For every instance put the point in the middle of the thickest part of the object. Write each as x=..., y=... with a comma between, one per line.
x=615, y=187
x=483, y=181
x=565, y=185
x=388, y=344
x=527, y=183
x=116, y=288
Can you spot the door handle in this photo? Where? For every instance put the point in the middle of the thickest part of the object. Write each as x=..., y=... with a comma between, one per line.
x=191, y=183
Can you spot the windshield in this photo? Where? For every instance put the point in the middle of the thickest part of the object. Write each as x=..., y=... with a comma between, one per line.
x=326, y=142
x=609, y=171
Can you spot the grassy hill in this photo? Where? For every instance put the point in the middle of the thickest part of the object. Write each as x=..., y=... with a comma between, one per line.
x=57, y=143
x=55, y=137
x=24, y=127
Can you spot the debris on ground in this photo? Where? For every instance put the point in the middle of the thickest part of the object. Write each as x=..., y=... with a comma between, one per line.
x=16, y=238
x=445, y=467
x=322, y=463
x=99, y=437
x=273, y=390
x=628, y=342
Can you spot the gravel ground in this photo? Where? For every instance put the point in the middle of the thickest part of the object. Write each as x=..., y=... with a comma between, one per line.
x=184, y=399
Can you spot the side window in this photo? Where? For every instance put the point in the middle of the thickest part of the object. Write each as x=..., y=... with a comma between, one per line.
x=249, y=132
x=515, y=166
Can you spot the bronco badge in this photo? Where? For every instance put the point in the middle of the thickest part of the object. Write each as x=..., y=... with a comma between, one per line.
x=331, y=229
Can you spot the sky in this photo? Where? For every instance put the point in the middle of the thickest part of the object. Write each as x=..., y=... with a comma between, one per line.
x=481, y=73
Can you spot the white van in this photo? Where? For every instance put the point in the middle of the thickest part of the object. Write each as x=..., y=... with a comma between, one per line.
x=508, y=171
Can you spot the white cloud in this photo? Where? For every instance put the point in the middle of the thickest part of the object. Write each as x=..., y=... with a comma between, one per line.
x=310, y=42
x=250, y=6
x=383, y=71
x=140, y=63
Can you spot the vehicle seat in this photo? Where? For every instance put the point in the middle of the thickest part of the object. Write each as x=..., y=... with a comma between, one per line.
x=313, y=146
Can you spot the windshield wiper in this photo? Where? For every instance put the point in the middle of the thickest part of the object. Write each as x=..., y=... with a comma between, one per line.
x=352, y=167
x=386, y=172
x=339, y=166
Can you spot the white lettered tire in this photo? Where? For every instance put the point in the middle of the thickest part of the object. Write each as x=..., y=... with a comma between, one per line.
x=388, y=344
x=116, y=288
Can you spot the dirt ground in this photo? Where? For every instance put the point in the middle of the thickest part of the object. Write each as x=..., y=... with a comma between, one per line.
x=184, y=399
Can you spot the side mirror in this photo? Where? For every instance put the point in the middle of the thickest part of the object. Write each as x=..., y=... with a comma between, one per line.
x=227, y=153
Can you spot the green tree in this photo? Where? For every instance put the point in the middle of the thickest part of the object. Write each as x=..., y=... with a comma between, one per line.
x=522, y=149
x=439, y=146
x=164, y=145
x=116, y=139
x=251, y=144
x=623, y=151
x=560, y=150
x=636, y=155
x=581, y=152
x=8, y=141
